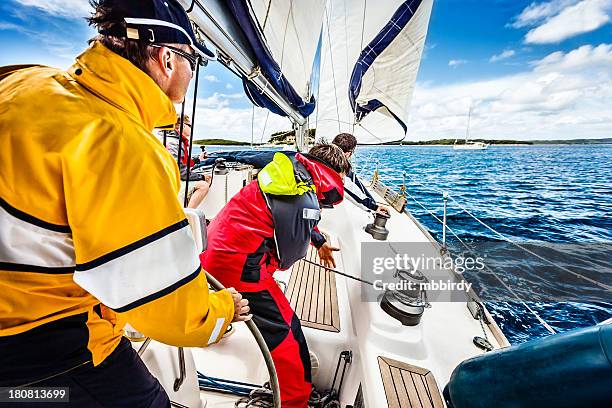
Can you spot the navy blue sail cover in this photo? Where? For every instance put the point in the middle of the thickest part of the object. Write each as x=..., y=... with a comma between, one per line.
x=368, y=55
x=269, y=67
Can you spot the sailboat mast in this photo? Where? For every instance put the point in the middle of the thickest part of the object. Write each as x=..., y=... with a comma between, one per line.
x=467, y=130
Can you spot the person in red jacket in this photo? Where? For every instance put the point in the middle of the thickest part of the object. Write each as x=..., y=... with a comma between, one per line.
x=268, y=226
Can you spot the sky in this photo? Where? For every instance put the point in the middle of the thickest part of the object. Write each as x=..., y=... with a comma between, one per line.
x=529, y=69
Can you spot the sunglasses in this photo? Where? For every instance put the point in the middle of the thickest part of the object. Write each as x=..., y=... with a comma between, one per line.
x=193, y=59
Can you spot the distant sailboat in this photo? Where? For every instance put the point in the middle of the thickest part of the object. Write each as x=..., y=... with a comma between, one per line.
x=468, y=145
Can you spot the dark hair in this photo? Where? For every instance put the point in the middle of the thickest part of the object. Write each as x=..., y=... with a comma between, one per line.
x=345, y=141
x=330, y=155
x=105, y=17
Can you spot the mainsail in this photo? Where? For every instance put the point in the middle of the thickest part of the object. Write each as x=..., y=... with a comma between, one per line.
x=371, y=52
x=270, y=44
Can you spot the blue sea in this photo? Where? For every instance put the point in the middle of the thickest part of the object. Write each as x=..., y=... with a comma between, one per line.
x=559, y=194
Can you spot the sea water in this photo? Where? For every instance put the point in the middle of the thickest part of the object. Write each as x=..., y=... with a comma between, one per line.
x=559, y=194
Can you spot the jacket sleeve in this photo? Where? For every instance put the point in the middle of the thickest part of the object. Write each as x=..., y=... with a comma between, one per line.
x=358, y=193
x=133, y=245
x=316, y=238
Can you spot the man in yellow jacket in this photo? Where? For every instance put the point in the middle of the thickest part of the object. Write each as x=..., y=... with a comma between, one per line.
x=92, y=235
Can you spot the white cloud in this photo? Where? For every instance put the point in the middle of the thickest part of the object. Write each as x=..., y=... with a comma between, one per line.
x=211, y=78
x=564, y=95
x=236, y=124
x=583, y=17
x=217, y=117
x=539, y=12
x=65, y=8
x=228, y=86
x=455, y=63
x=585, y=56
x=10, y=26
x=504, y=55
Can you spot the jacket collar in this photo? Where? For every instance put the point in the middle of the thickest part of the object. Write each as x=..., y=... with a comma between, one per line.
x=328, y=183
x=117, y=81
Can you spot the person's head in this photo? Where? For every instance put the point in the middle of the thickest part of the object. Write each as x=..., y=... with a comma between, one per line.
x=332, y=156
x=144, y=33
x=186, y=125
x=346, y=142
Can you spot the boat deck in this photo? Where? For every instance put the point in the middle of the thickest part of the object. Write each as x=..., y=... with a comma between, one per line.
x=313, y=295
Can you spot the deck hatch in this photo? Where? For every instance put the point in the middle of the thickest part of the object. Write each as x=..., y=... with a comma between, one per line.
x=312, y=294
x=408, y=386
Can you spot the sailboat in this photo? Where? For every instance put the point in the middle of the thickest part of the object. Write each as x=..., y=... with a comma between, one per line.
x=470, y=145
x=388, y=352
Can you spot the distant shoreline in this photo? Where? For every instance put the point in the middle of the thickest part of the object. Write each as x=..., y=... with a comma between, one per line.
x=438, y=142
x=503, y=142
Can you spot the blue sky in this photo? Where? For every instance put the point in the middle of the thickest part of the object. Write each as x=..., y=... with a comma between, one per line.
x=532, y=69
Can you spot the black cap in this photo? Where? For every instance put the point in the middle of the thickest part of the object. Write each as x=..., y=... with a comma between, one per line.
x=155, y=21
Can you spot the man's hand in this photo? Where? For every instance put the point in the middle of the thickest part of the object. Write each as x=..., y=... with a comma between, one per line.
x=326, y=253
x=383, y=209
x=241, y=307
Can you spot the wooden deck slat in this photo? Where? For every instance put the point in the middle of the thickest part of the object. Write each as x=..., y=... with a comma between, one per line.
x=312, y=294
x=410, y=390
x=308, y=293
x=411, y=386
x=421, y=390
x=327, y=319
x=392, y=399
x=321, y=302
x=436, y=398
x=315, y=295
x=400, y=389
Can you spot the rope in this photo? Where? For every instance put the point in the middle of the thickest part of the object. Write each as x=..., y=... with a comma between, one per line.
x=262, y=398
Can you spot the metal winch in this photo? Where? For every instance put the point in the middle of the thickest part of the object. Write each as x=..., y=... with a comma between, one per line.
x=408, y=303
x=377, y=229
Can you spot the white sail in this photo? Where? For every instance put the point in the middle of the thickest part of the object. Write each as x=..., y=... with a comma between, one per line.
x=271, y=45
x=372, y=50
x=291, y=30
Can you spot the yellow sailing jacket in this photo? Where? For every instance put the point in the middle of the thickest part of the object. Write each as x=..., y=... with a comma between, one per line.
x=91, y=232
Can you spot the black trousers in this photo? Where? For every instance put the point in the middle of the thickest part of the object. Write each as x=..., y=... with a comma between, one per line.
x=122, y=380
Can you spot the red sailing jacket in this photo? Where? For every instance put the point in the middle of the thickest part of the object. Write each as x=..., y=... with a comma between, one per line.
x=242, y=250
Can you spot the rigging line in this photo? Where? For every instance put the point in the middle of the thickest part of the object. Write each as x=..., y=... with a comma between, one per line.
x=264, y=128
x=533, y=312
x=576, y=274
x=267, y=14
x=516, y=296
x=331, y=57
x=338, y=272
x=505, y=238
x=252, y=125
x=285, y=36
x=367, y=130
x=469, y=248
x=299, y=42
x=180, y=135
x=190, y=151
x=365, y=5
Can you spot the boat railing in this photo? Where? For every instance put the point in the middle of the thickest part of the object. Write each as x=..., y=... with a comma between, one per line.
x=378, y=186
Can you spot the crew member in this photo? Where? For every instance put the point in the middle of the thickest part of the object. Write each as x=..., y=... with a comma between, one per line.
x=90, y=237
x=268, y=226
